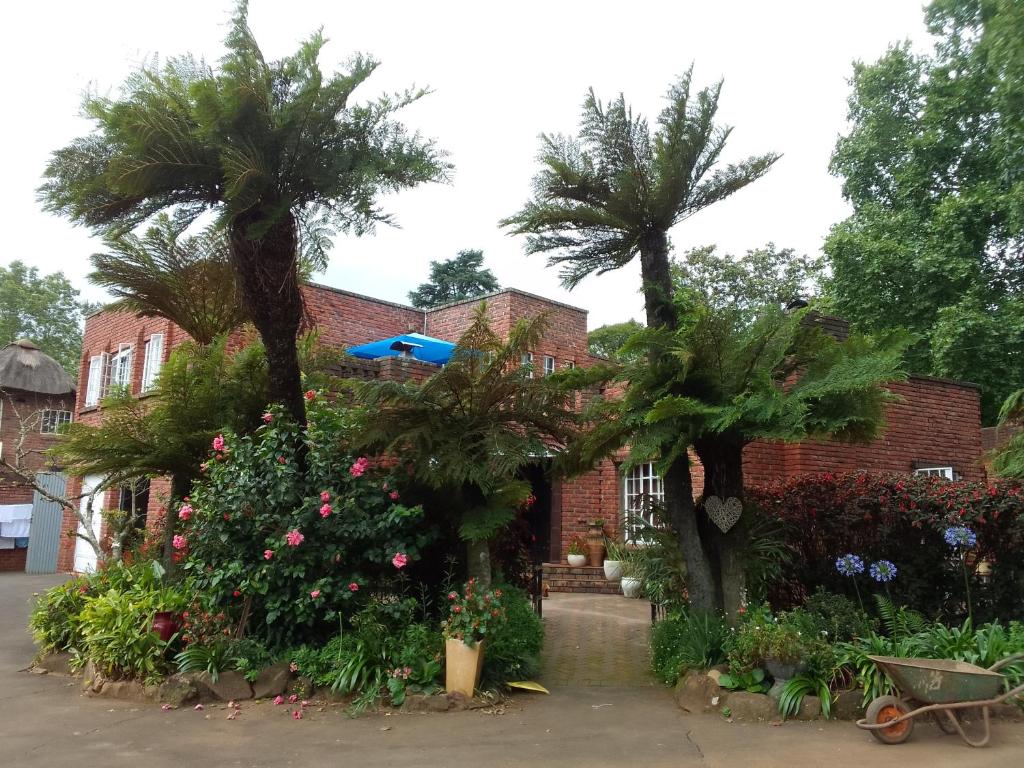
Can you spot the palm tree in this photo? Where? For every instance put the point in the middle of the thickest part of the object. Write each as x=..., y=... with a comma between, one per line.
x=612, y=194
x=188, y=280
x=271, y=147
x=470, y=428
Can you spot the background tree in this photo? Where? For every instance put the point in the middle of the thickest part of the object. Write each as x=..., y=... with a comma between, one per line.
x=932, y=166
x=608, y=340
x=44, y=309
x=462, y=277
x=188, y=280
x=612, y=194
x=1008, y=459
x=269, y=146
x=470, y=428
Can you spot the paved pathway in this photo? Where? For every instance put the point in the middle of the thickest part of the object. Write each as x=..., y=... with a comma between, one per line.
x=596, y=640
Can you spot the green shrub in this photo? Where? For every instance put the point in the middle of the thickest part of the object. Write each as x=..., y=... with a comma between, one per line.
x=298, y=548
x=689, y=640
x=839, y=616
x=513, y=649
x=54, y=621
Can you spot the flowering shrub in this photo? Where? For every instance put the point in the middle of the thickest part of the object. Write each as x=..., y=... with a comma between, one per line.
x=293, y=550
x=902, y=519
x=473, y=614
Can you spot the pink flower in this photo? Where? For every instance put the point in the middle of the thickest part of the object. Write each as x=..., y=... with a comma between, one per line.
x=278, y=700
x=394, y=495
x=325, y=496
x=310, y=395
x=296, y=714
x=292, y=699
x=236, y=593
x=293, y=667
x=357, y=469
x=399, y=560
x=179, y=542
x=325, y=510
x=353, y=587
x=268, y=554
x=294, y=537
x=218, y=443
x=185, y=512
x=282, y=460
x=315, y=594
x=268, y=417
x=384, y=487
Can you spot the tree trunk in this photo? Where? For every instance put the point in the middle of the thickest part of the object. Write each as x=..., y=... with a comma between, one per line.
x=656, y=274
x=267, y=273
x=478, y=562
x=181, y=486
x=722, y=457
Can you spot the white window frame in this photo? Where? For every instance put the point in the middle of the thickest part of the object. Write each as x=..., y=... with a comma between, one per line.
x=639, y=483
x=52, y=419
x=549, y=365
x=569, y=365
x=119, y=369
x=94, y=386
x=152, y=361
x=945, y=472
x=527, y=361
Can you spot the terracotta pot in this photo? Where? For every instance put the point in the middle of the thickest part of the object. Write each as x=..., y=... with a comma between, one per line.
x=164, y=625
x=577, y=561
x=462, y=666
x=595, y=548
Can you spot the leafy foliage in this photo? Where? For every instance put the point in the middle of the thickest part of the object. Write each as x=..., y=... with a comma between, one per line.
x=514, y=645
x=799, y=686
x=1008, y=459
x=54, y=620
x=293, y=550
x=690, y=639
x=751, y=681
x=607, y=340
x=931, y=166
x=44, y=309
x=462, y=277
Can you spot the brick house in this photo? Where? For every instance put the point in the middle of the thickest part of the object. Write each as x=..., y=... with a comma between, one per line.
x=36, y=397
x=936, y=428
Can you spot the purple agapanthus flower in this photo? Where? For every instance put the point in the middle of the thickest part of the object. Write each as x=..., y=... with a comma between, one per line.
x=849, y=564
x=883, y=571
x=960, y=537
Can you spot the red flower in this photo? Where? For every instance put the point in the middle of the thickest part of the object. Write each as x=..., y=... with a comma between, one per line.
x=310, y=395
x=353, y=587
x=236, y=593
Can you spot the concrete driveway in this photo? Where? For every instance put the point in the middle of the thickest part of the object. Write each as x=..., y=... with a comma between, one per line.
x=45, y=721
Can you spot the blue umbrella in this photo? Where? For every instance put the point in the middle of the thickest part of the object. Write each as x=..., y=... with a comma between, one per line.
x=425, y=348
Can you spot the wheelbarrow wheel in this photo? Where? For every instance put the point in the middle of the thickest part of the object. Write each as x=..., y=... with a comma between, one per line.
x=887, y=708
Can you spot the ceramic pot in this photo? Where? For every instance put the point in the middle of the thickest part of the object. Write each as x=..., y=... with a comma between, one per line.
x=164, y=625
x=630, y=586
x=613, y=570
x=462, y=666
x=595, y=549
x=577, y=561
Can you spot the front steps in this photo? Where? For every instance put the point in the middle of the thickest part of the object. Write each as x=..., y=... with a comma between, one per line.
x=561, y=577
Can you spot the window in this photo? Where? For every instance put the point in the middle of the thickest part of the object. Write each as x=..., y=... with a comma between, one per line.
x=527, y=360
x=120, y=369
x=153, y=359
x=549, y=365
x=641, y=486
x=94, y=387
x=569, y=364
x=943, y=472
x=50, y=421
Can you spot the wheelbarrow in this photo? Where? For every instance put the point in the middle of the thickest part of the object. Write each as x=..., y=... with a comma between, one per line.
x=936, y=687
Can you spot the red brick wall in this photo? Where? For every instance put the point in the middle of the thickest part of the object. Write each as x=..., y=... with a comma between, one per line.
x=346, y=319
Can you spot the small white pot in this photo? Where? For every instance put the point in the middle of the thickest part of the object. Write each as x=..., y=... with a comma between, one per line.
x=613, y=570
x=630, y=586
x=577, y=561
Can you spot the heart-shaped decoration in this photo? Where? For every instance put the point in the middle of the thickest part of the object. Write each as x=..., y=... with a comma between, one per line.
x=724, y=514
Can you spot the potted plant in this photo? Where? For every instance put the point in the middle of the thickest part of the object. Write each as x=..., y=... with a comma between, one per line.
x=631, y=581
x=615, y=554
x=595, y=542
x=471, y=617
x=577, y=553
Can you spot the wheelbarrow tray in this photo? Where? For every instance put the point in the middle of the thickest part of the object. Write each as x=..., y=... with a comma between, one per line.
x=941, y=681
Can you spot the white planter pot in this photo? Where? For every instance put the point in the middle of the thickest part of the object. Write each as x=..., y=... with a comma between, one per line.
x=613, y=570
x=577, y=561
x=630, y=586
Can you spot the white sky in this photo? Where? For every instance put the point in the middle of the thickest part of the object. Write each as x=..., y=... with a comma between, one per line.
x=500, y=77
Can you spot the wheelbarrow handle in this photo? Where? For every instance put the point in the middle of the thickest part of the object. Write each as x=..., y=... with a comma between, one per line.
x=1003, y=662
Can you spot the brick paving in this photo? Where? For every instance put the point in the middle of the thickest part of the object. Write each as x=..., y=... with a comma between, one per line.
x=596, y=641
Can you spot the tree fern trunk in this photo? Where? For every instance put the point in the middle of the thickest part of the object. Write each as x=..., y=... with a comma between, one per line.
x=267, y=273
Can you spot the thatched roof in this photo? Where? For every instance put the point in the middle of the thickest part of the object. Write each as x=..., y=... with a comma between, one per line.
x=23, y=366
